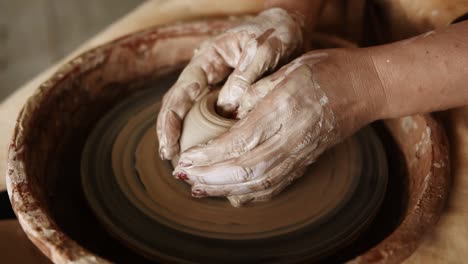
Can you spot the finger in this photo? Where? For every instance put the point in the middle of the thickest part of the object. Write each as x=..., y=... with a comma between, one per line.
x=206, y=68
x=175, y=106
x=240, y=170
x=265, y=195
x=253, y=95
x=259, y=56
x=168, y=130
x=257, y=91
x=269, y=179
x=244, y=136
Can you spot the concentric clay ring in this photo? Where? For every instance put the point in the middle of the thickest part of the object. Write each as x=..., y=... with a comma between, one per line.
x=134, y=194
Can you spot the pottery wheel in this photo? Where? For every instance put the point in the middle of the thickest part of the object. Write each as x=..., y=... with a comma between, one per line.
x=135, y=196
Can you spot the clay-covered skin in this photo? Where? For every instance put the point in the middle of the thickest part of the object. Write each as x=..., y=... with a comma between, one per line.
x=286, y=122
x=289, y=118
x=244, y=53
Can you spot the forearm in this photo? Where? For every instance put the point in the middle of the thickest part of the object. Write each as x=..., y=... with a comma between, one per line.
x=309, y=9
x=422, y=74
x=430, y=14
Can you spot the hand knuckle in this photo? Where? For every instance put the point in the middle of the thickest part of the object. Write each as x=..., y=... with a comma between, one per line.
x=245, y=174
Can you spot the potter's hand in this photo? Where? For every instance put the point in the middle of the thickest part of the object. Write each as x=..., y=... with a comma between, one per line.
x=287, y=120
x=244, y=53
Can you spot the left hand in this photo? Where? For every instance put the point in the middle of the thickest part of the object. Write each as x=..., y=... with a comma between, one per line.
x=287, y=121
x=242, y=55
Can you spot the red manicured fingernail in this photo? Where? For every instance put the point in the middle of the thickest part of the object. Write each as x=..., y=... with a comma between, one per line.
x=198, y=193
x=182, y=176
x=234, y=114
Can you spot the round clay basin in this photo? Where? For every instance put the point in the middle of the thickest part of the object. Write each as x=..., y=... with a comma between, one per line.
x=44, y=157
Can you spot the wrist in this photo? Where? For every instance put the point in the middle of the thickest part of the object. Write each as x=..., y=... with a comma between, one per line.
x=353, y=88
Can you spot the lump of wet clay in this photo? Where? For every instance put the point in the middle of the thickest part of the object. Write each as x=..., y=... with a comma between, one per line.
x=203, y=123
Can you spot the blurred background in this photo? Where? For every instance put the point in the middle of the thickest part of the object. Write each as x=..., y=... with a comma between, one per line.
x=36, y=33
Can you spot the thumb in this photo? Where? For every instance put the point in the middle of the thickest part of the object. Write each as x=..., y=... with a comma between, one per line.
x=259, y=56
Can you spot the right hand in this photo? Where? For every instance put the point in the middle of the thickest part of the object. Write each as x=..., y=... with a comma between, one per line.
x=242, y=55
x=287, y=120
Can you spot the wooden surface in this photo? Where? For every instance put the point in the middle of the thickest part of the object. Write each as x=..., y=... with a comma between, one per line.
x=35, y=34
x=15, y=247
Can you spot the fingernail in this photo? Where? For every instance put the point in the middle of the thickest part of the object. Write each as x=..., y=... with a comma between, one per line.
x=163, y=153
x=199, y=193
x=179, y=174
x=182, y=176
x=235, y=201
x=185, y=163
x=227, y=110
x=239, y=201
